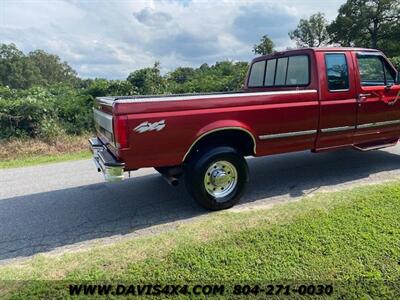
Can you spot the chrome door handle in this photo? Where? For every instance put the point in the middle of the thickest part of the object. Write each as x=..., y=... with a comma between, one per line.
x=363, y=97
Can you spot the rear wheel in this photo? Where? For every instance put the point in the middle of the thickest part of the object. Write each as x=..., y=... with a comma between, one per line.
x=217, y=178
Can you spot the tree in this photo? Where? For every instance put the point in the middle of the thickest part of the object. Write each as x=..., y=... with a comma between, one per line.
x=51, y=68
x=181, y=75
x=266, y=46
x=204, y=67
x=312, y=32
x=396, y=62
x=368, y=23
x=16, y=70
x=102, y=87
x=222, y=76
x=148, y=80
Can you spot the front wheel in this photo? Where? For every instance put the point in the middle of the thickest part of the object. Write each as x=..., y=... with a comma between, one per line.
x=217, y=178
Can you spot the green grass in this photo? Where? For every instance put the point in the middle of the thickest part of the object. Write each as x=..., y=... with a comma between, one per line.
x=43, y=159
x=350, y=239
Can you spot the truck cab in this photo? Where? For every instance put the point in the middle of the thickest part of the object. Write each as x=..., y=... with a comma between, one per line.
x=354, y=90
x=314, y=99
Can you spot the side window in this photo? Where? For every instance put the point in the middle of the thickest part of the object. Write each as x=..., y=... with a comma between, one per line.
x=270, y=73
x=298, y=70
x=257, y=74
x=284, y=71
x=337, y=71
x=280, y=76
x=371, y=70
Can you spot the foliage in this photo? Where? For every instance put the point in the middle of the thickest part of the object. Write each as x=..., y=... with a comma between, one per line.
x=18, y=70
x=266, y=46
x=51, y=69
x=223, y=76
x=368, y=23
x=102, y=87
x=311, y=32
x=148, y=80
x=181, y=75
x=21, y=114
x=44, y=112
x=396, y=62
x=73, y=109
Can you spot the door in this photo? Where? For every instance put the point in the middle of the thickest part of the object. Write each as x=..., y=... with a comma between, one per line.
x=378, y=109
x=338, y=101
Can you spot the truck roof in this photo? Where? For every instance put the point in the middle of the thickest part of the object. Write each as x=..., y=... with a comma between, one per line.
x=319, y=49
x=343, y=49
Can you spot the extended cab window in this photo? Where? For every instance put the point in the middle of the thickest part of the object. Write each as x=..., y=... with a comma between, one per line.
x=280, y=72
x=280, y=75
x=270, y=72
x=298, y=70
x=257, y=74
x=374, y=70
x=337, y=71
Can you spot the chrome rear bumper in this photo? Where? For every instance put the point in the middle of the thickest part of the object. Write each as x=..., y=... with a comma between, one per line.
x=112, y=169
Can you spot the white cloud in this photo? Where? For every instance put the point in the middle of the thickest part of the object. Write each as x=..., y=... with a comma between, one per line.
x=112, y=38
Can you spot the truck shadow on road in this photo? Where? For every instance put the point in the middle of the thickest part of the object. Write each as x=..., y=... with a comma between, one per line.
x=44, y=221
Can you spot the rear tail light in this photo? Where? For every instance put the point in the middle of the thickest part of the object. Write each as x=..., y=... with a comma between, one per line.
x=121, y=131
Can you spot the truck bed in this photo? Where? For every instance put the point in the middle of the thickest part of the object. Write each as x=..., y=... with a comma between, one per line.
x=140, y=98
x=179, y=102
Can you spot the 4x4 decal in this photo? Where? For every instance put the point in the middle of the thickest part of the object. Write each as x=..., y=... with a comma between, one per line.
x=147, y=126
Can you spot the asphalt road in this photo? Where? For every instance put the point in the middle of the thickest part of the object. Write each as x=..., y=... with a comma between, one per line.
x=67, y=205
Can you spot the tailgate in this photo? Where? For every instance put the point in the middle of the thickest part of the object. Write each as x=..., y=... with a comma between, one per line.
x=103, y=123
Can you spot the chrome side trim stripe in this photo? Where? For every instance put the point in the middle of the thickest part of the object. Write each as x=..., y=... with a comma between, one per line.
x=327, y=130
x=287, y=134
x=378, y=124
x=214, y=96
x=336, y=129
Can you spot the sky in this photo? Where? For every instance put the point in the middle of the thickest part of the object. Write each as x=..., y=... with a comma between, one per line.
x=110, y=39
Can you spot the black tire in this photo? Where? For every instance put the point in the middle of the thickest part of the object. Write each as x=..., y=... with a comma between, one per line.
x=196, y=170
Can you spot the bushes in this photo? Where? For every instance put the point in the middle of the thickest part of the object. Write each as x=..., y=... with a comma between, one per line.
x=47, y=112
x=44, y=113
x=104, y=87
x=21, y=112
x=223, y=76
x=73, y=109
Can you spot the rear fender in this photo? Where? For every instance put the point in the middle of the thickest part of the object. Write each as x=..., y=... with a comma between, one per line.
x=220, y=126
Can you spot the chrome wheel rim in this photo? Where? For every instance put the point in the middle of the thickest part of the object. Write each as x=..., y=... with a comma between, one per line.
x=220, y=179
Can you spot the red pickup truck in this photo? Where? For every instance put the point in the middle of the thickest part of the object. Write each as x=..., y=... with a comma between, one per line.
x=318, y=99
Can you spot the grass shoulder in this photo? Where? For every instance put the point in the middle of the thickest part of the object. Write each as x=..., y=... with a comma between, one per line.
x=349, y=239
x=28, y=152
x=44, y=159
